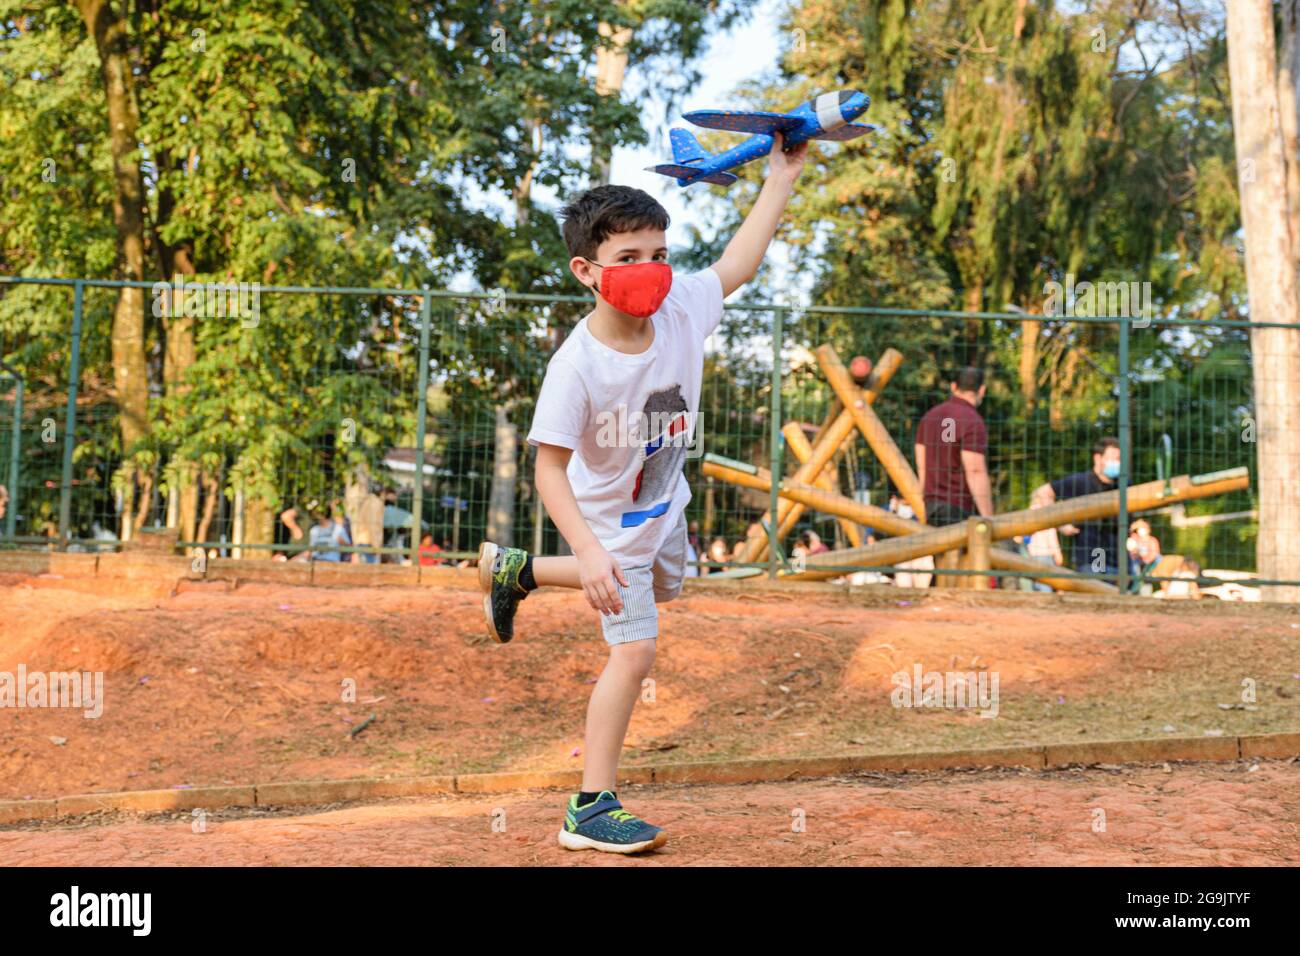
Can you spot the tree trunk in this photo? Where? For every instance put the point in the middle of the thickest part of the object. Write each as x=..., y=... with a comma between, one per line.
x=211, y=491
x=1271, y=283
x=611, y=68
x=1029, y=332
x=130, y=376
x=1288, y=101
x=259, y=527
x=973, y=301
x=505, y=472
x=180, y=354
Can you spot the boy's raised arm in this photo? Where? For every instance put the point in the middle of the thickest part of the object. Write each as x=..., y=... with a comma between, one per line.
x=740, y=261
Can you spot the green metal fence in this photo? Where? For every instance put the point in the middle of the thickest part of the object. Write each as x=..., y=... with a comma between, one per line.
x=428, y=394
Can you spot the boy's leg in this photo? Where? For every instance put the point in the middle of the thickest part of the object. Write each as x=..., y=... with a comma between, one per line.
x=557, y=572
x=602, y=823
x=610, y=710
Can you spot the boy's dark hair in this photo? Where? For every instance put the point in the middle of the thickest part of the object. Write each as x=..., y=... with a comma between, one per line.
x=1103, y=444
x=594, y=215
x=969, y=379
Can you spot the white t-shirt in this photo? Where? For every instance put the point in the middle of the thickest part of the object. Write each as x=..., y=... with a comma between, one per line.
x=630, y=419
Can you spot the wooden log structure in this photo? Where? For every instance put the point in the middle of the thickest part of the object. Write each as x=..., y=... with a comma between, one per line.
x=799, y=445
x=1104, y=504
x=873, y=430
x=824, y=449
x=750, y=476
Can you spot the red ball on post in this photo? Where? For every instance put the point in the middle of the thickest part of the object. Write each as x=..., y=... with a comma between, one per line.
x=860, y=368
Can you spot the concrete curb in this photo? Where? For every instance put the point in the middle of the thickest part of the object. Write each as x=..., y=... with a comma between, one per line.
x=317, y=792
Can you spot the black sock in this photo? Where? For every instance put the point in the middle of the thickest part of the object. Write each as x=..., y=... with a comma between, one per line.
x=585, y=798
x=526, y=579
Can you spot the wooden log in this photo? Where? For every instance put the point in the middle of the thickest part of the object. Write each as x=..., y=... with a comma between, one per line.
x=802, y=450
x=748, y=476
x=873, y=430
x=840, y=429
x=979, y=539
x=1005, y=560
x=1085, y=508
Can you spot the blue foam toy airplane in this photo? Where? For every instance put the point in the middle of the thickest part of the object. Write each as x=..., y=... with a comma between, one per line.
x=829, y=116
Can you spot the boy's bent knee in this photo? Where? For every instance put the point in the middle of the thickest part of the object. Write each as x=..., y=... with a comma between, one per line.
x=634, y=655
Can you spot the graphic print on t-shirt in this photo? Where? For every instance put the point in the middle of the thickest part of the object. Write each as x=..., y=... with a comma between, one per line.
x=663, y=455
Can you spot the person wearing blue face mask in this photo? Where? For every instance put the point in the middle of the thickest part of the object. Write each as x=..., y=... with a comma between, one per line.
x=1094, y=543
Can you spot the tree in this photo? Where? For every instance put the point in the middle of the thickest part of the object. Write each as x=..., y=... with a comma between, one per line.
x=1271, y=278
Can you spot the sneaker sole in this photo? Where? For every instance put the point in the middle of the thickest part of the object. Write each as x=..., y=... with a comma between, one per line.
x=487, y=555
x=575, y=841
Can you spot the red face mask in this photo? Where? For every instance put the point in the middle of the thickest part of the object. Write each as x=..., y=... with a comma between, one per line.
x=638, y=288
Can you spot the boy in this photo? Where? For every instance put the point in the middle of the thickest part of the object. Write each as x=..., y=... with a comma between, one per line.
x=613, y=421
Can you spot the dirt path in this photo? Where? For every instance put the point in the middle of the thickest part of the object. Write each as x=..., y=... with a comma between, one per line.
x=1191, y=814
x=212, y=687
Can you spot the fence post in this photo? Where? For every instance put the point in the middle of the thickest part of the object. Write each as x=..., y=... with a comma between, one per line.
x=421, y=405
x=1125, y=434
x=70, y=417
x=11, y=508
x=774, y=406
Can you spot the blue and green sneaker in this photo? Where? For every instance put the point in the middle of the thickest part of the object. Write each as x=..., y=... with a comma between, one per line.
x=603, y=824
x=498, y=576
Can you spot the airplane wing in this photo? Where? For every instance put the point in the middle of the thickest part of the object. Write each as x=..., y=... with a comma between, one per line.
x=743, y=121
x=678, y=171
x=848, y=131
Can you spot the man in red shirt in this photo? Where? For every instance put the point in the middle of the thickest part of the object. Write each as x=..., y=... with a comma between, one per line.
x=951, y=444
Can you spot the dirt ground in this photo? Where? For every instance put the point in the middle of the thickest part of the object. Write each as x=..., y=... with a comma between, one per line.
x=211, y=686
x=1184, y=814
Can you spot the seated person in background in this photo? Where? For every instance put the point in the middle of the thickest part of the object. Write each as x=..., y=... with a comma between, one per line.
x=717, y=552
x=1043, y=546
x=1186, y=587
x=289, y=518
x=1143, y=549
x=692, y=569
x=1095, y=548
x=812, y=543
x=325, y=532
x=427, y=551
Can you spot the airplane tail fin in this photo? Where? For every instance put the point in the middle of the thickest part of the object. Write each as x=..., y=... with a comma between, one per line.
x=686, y=148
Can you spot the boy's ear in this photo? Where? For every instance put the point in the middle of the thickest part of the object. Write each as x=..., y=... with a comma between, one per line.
x=584, y=272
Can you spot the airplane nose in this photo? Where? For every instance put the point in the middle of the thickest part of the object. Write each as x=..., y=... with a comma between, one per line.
x=853, y=104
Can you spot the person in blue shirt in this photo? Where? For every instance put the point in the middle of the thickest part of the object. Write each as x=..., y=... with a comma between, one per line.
x=1094, y=544
x=325, y=532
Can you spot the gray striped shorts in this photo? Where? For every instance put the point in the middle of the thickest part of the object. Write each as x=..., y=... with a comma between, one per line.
x=648, y=586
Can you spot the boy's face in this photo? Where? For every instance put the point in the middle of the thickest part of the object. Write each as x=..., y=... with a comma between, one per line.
x=621, y=248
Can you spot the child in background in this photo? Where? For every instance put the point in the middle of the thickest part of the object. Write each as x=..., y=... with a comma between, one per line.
x=1043, y=546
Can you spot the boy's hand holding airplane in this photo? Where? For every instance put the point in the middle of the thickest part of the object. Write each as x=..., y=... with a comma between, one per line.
x=785, y=165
